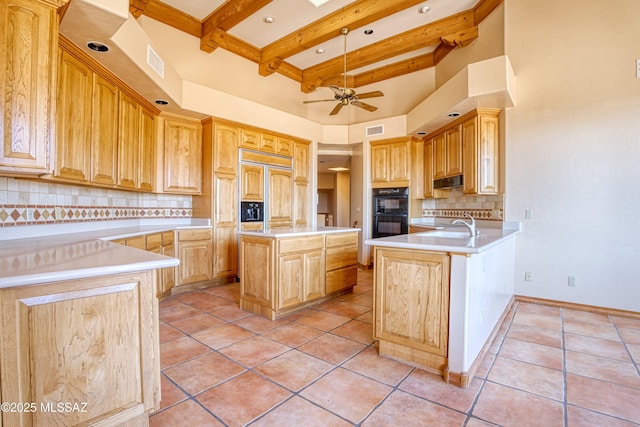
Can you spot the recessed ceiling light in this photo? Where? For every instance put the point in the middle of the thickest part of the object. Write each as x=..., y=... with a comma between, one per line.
x=161, y=102
x=268, y=19
x=421, y=133
x=368, y=31
x=424, y=9
x=98, y=47
x=318, y=3
x=453, y=114
x=319, y=50
x=340, y=169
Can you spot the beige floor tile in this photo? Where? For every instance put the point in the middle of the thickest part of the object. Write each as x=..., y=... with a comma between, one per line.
x=346, y=394
x=614, y=371
x=626, y=322
x=596, y=346
x=198, y=323
x=544, y=310
x=634, y=349
x=178, y=312
x=604, y=397
x=432, y=387
x=346, y=309
x=537, y=354
x=170, y=393
x=203, y=372
x=168, y=333
x=293, y=334
x=596, y=330
x=538, y=320
x=494, y=348
x=294, y=369
x=254, y=351
x=585, y=316
x=180, y=350
x=332, y=348
x=630, y=336
x=474, y=422
x=259, y=324
x=230, y=292
x=370, y=364
x=579, y=417
x=356, y=331
x=168, y=302
x=212, y=304
x=323, y=320
x=422, y=413
x=366, y=318
x=222, y=336
x=506, y=406
x=537, y=335
x=299, y=412
x=191, y=297
x=242, y=399
x=527, y=377
x=365, y=299
x=186, y=413
x=485, y=365
x=231, y=313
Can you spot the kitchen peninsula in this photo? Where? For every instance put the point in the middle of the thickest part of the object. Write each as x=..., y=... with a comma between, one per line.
x=439, y=295
x=283, y=270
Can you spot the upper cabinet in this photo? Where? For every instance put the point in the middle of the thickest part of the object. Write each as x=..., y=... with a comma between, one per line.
x=104, y=132
x=447, y=153
x=482, y=158
x=391, y=162
x=28, y=42
x=302, y=189
x=182, y=167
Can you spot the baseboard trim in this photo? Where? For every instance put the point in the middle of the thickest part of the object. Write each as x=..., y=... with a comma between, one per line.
x=581, y=307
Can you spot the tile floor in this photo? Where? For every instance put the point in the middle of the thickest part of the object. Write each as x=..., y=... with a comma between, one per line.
x=547, y=367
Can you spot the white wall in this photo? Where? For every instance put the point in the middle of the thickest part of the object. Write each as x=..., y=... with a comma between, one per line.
x=573, y=144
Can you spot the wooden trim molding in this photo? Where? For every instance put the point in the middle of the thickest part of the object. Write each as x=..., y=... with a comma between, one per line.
x=581, y=307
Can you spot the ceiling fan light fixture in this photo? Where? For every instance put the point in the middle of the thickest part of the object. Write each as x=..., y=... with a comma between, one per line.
x=268, y=20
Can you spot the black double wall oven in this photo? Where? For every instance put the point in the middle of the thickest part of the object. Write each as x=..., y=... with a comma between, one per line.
x=390, y=211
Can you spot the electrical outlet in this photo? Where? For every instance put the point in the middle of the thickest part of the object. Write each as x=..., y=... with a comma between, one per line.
x=528, y=276
x=572, y=281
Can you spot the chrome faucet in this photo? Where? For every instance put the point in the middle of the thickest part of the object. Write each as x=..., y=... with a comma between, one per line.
x=471, y=225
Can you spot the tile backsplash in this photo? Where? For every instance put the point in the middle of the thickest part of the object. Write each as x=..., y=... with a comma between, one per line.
x=24, y=202
x=487, y=207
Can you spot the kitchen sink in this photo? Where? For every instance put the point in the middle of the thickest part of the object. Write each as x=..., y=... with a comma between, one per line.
x=446, y=234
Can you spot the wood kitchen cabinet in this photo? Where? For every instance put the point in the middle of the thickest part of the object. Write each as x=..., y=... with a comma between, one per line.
x=249, y=139
x=302, y=189
x=482, y=157
x=147, y=155
x=299, y=270
x=268, y=143
x=92, y=342
x=391, y=162
x=28, y=84
x=418, y=331
x=280, y=209
x=182, y=160
x=128, y=142
x=252, y=179
x=195, y=251
x=341, y=261
x=447, y=153
x=104, y=132
x=284, y=146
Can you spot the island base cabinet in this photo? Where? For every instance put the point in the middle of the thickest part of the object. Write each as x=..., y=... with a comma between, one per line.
x=85, y=352
x=411, y=307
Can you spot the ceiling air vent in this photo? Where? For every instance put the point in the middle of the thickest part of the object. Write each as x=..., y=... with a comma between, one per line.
x=375, y=130
x=155, y=62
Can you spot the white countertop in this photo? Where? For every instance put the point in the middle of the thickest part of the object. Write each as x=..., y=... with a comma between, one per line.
x=296, y=231
x=56, y=257
x=487, y=238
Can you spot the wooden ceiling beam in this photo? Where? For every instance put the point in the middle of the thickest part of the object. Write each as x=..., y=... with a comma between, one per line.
x=227, y=16
x=355, y=15
x=137, y=7
x=484, y=8
x=172, y=17
x=417, y=38
x=461, y=38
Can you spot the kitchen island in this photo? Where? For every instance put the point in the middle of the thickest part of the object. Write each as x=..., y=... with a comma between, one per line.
x=440, y=296
x=287, y=269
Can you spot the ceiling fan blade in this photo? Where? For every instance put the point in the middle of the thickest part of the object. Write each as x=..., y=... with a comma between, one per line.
x=318, y=100
x=336, y=109
x=338, y=91
x=369, y=94
x=363, y=105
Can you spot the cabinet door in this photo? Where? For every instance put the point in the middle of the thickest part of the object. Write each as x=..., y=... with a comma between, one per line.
x=104, y=132
x=225, y=189
x=268, y=143
x=439, y=156
x=28, y=42
x=225, y=149
x=412, y=313
x=182, y=157
x=147, y=156
x=470, y=156
x=73, y=146
x=301, y=203
x=314, y=275
x=249, y=139
x=489, y=154
x=454, y=151
x=399, y=157
x=290, y=280
x=128, y=142
x=252, y=179
x=256, y=281
x=379, y=163
x=226, y=252
x=196, y=262
x=168, y=273
x=284, y=146
x=428, y=168
x=301, y=161
x=280, y=189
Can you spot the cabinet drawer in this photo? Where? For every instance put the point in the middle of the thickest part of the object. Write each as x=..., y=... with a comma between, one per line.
x=197, y=234
x=137, y=242
x=341, y=279
x=168, y=238
x=301, y=244
x=339, y=239
x=154, y=241
x=340, y=257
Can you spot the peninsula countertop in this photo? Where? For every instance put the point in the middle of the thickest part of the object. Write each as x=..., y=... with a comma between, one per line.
x=450, y=239
x=52, y=257
x=296, y=231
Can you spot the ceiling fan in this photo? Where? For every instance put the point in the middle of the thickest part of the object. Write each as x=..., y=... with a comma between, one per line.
x=345, y=95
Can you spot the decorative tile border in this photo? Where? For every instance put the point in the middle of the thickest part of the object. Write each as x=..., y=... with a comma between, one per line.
x=484, y=214
x=47, y=214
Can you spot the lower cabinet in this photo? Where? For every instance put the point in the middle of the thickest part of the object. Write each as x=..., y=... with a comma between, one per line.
x=342, y=261
x=195, y=251
x=90, y=345
x=300, y=268
x=411, y=307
